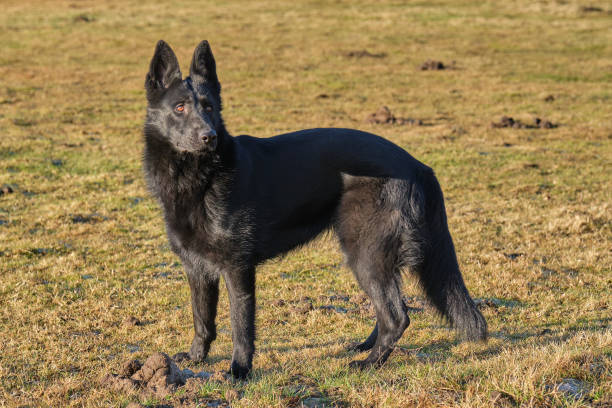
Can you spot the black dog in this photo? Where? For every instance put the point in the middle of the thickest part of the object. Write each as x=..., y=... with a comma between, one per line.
x=230, y=203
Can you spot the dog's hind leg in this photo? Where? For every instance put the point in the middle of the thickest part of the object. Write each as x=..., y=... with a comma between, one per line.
x=391, y=316
x=367, y=229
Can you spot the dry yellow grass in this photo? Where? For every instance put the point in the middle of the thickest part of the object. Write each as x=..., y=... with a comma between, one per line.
x=530, y=209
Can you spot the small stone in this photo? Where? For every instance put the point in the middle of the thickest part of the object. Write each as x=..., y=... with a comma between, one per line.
x=571, y=387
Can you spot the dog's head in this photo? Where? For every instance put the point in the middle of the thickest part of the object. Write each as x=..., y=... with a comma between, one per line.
x=184, y=113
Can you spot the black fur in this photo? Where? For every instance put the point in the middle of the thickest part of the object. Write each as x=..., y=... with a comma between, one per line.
x=230, y=203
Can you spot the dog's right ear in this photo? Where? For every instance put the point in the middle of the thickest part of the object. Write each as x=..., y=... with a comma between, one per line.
x=164, y=69
x=203, y=68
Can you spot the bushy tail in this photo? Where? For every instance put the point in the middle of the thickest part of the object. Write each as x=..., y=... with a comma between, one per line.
x=430, y=254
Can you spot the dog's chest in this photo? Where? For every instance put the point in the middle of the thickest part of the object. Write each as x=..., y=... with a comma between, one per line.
x=190, y=231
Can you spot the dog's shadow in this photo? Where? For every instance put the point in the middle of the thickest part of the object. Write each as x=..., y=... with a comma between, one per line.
x=441, y=350
x=432, y=352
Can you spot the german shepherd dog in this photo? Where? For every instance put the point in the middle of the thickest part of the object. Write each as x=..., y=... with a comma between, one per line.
x=231, y=203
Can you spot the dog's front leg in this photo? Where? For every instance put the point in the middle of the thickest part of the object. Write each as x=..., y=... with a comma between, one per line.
x=241, y=287
x=204, y=298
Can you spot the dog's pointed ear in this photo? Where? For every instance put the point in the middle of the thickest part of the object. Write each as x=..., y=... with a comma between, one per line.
x=164, y=69
x=203, y=67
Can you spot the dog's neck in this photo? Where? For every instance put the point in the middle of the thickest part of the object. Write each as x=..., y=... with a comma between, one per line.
x=181, y=177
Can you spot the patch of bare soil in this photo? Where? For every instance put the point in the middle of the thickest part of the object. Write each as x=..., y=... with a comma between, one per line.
x=364, y=54
x=509, y=122
x=384, y=116
x=160, y=377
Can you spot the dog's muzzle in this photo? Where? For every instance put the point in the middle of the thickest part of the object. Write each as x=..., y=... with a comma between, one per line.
x=209, y=139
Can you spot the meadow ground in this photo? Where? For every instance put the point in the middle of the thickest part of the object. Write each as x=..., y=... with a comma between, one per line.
x=82, y=245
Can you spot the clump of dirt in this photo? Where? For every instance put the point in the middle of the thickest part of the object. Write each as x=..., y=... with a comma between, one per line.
x=364, y=54
x=327, y=96
x=132, y=321
x=433, y=65
x=304, y=306
x=384, y=116
x=549, y=98
x=487, y=303
x=591, y=9
x=160, y=377
x=84, y=18
x=6, y=189
x=129, y=368
x=509, y=122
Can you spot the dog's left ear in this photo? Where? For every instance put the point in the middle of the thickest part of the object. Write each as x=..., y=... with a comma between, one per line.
x=203, y=68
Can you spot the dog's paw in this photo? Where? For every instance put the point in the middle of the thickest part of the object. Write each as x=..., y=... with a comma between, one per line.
x=239, y=371
x=199, y=350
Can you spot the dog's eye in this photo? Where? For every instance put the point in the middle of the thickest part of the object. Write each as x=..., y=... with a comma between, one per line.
x=180, y=108
x=209, y=108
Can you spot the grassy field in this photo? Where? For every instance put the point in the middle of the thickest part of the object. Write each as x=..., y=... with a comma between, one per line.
x=82, y=245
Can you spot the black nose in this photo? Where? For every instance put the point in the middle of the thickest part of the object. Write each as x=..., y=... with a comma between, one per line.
x=210, y=136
